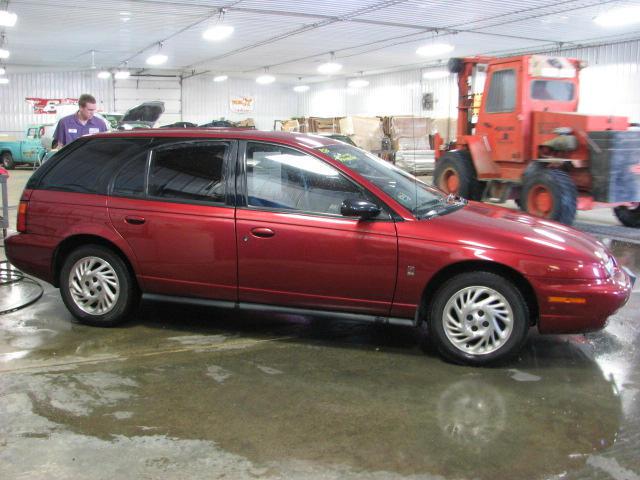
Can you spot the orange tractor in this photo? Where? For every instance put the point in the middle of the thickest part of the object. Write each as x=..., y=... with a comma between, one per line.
x=519, y=136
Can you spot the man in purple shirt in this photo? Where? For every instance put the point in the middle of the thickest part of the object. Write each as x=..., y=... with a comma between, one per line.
x=80, y=123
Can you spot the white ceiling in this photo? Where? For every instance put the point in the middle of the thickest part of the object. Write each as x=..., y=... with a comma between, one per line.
x=292, y=37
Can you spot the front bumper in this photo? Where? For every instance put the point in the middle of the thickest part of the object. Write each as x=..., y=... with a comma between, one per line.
x=588, y=305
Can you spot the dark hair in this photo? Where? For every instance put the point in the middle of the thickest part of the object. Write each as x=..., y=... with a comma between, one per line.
x=86, y=98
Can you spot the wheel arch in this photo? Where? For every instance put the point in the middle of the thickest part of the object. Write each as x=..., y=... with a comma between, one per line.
x=450, y=271
x=71, y=243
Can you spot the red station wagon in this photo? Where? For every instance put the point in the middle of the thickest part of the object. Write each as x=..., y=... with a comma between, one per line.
x=305, y=224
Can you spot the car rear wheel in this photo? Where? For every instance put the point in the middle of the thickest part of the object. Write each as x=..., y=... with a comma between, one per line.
x=478, y=318
x=629, y=216
x=97, y=287
x=7, y=161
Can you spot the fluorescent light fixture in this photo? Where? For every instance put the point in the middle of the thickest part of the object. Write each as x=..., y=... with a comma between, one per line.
x=4, y=81
x=358, y=83
x=157, y=59
x=4, y=53
x=265, y=79
x=104, y=74
x=329, y=68
x=619, y=17
x=2, y=71
x=301, y=88
x=217, y=33
x=220, y=78
x=121, y=75
x=435, y=74
x=7, y=19
x=434, y=49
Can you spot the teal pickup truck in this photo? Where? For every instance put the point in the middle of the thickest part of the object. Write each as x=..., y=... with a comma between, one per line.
x=30, y=151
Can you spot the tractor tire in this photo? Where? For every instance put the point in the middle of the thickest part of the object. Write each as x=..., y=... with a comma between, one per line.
x=549, y=193
x=630, y=217
x=7, y=161
x=455, y=173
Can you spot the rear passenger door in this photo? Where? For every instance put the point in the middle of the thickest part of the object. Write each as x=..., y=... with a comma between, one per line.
x=174, y=206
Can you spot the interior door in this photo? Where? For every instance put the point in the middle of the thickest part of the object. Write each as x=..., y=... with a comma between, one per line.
x=294, y=247
x=501, y=119
x=172, y=208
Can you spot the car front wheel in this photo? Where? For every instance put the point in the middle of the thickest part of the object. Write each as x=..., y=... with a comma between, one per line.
x=97, y=287
x=478, y=318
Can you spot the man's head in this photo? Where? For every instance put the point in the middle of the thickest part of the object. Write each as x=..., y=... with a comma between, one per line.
x=87, y=104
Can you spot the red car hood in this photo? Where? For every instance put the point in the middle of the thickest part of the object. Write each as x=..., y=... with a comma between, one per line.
x=507, y=230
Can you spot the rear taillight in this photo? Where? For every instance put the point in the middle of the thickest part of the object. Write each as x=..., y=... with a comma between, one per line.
x=22, y=216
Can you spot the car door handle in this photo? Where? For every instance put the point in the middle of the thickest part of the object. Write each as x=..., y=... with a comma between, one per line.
x=262, y=232
x=134, y=220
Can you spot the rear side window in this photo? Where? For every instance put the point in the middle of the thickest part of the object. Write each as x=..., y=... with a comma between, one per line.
x=556, y=90
x=189, y=172
x=502, y=92
x=88, y=168
x=129, y=181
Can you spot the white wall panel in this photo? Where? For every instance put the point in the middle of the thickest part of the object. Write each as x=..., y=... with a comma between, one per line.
x=16, y=113
x=205, y=100
x=610, y=86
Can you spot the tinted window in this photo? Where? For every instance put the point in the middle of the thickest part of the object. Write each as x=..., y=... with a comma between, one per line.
x=556, y=90
x=189, y=172
x=502, y=92
x=129, y=181
x=88, y=168
x=283, y=178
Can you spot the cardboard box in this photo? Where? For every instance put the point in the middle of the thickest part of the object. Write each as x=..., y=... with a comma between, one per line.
x=366, y=132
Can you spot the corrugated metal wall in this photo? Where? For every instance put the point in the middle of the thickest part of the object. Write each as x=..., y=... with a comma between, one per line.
x=205, y=100
x=16, y=113
x=610, y=85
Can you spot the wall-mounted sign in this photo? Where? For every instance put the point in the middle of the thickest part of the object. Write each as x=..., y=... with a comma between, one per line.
x=241, y=104
x=49, y=105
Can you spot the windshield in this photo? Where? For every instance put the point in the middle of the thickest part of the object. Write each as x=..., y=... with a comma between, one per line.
x=418, y=197
x=557, y=90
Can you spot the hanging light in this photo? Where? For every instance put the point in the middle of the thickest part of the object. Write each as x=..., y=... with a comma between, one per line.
x=434, y=49
x=265, y=78
x=122, y=74
x=4, y=53
x=2, y=71
x=220, y=78
x=358, y=83
x=4, y=81
x=301, y=88
x=218, y=33
x=7, y=19
x=435, y=74
x=330, y=67
x=619, y=17
x=157, y=59
x=104, y=75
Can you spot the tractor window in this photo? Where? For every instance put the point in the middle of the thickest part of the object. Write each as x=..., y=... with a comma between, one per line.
x=502, y=92
x=555, y=90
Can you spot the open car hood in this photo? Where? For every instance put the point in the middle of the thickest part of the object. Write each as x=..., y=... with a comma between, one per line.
x=147, y=113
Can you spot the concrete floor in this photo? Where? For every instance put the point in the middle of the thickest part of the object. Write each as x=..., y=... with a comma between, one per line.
x=199, y=393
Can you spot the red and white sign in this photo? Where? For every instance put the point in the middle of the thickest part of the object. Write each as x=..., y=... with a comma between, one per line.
x=49, y=105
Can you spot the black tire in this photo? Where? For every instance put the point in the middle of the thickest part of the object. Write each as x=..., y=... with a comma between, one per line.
x=549, y=193
x=7, y=161
x=127, y=296
x=630, y=217
x=457, y=164
x=482, y=318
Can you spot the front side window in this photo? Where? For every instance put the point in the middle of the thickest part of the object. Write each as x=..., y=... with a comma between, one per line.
x=502, y=92
x=555, y=90
x=31, y=133
x=191, y=172
x=283, y=178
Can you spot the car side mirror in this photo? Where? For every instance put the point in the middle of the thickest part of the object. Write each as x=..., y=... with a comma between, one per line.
x=359, y=208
